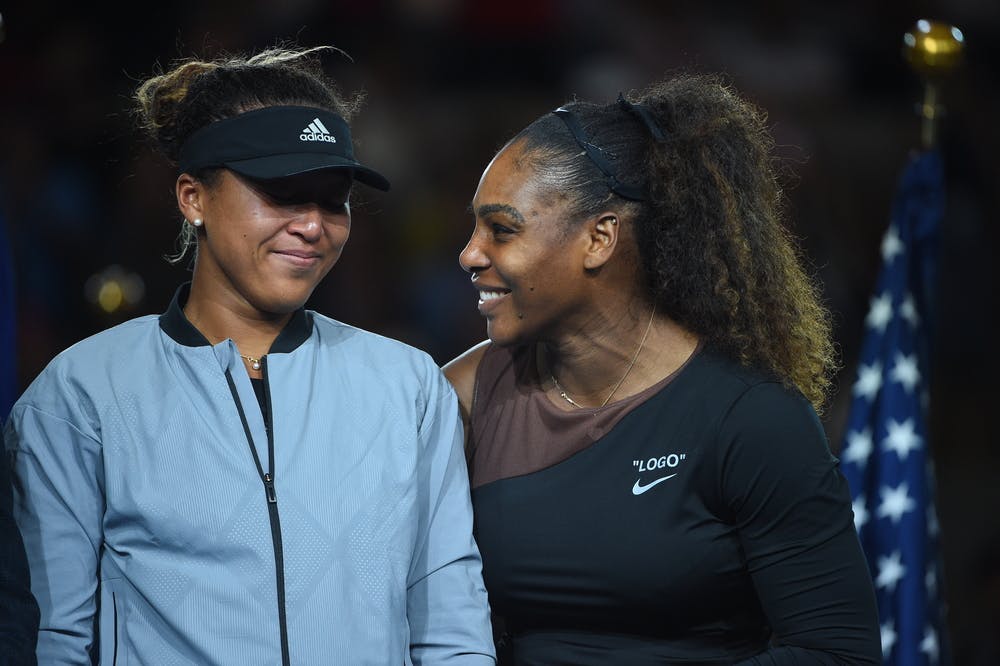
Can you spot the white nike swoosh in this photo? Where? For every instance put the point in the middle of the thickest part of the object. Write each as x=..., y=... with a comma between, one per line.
x=639, y=489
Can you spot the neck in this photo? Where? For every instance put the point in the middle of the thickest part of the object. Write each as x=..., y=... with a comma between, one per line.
x=615, y=356
x=219, y=316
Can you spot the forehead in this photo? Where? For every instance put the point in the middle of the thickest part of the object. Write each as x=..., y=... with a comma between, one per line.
x=510, y=180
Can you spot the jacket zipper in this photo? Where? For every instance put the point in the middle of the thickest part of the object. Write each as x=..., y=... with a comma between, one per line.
x=272, y=499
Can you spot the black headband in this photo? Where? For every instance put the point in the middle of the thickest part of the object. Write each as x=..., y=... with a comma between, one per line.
x=276, y=142
x=645, y=116
x=597, y=156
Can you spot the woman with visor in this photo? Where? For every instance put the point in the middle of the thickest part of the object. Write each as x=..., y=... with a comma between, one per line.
x=240, y=480
x=650, y=481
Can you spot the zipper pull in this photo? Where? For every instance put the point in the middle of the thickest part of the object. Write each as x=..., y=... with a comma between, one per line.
x=269, y=489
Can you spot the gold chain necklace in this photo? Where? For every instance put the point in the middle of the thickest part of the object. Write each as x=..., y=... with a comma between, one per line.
x=565, y=396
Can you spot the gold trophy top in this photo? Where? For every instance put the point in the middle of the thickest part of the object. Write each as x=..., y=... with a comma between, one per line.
x=933, y=48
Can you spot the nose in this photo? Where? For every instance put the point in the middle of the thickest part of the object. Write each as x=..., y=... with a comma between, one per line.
x=307, y=223
x=472, y=258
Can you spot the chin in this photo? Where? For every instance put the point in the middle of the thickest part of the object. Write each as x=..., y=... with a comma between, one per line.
x=284, y=303
x=502, y=337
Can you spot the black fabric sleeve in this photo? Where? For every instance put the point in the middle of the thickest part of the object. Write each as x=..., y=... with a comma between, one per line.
x=784, y=492
x=18, y=610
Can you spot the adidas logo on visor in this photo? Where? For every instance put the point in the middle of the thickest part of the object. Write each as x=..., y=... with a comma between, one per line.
x=317, y=131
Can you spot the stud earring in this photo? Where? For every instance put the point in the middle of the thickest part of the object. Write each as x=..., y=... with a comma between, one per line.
x=196, y=222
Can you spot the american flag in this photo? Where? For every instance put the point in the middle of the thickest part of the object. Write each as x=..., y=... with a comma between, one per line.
x=886, y=455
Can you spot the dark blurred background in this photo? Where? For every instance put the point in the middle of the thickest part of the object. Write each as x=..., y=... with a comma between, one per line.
x=447, y=82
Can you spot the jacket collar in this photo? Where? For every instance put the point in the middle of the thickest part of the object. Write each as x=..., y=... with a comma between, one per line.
x=176, y=325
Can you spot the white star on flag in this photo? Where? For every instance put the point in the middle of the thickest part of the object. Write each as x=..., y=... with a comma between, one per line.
x=860, y=512
x=905, y=371
x=891, y=245
x=890, y=571
x=880, y=312
x=901, y=438
x=908, y=310
x=929, y=645
x=895, y=502
x=869, y=380
x=859, y=447
x=930, y=582
x=888, y=638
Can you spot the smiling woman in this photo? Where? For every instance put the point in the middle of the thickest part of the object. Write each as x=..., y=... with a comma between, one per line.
x=263, y=245
x=225, y=482
x=650, y=480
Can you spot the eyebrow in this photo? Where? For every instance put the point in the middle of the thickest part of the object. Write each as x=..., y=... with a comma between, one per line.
x=489, y=209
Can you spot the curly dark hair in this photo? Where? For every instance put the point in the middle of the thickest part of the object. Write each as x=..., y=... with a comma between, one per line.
x=173, y=105
x=715, y=254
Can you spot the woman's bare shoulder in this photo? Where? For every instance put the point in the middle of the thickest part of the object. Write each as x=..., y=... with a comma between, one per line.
x=461, y=372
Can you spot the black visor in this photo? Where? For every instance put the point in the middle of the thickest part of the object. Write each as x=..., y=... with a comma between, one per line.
x=277, y=142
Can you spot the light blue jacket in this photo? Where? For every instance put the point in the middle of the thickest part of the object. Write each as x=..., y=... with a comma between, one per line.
x=158, y=531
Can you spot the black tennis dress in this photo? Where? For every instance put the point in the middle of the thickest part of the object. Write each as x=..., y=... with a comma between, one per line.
x=702, y=521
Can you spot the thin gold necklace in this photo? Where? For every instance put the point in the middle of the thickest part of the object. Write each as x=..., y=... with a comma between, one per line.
x=254, y=362
x=565, y=396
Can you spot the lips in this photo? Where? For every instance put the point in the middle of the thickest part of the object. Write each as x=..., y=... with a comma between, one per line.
x=300, y=258
x=491, y=297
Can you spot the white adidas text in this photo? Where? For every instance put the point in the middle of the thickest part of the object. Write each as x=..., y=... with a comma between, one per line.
x=318, y=137
x=317, y=131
